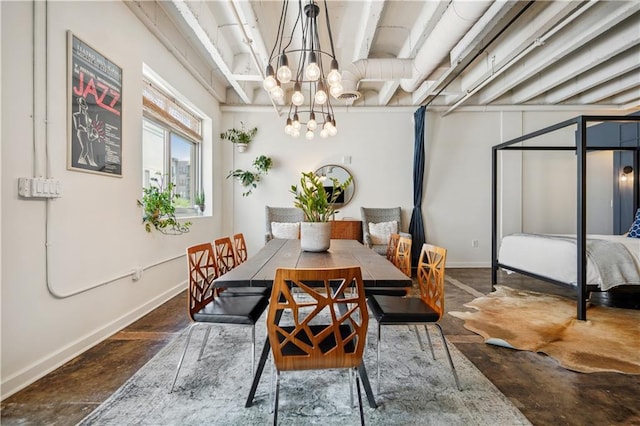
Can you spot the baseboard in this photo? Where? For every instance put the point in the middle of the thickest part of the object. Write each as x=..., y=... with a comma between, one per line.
x=468, y=264
x=30, y=374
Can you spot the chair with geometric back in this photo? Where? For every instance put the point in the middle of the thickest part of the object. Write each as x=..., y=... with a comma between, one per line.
x=403, y=255
x=285, y=219
x=426, y=309
x=206, y=308
x=378, y=224
x=317, y=319
x=226, y=261
x=391, y=247
x=240, y=247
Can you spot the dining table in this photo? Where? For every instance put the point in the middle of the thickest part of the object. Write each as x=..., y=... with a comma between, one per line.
x=259, y=270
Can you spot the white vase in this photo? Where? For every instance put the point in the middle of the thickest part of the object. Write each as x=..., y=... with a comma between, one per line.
x=242, y=147
x=315, y=236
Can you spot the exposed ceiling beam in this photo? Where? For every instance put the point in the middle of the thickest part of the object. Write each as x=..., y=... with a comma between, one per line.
x=585, y=81
x=367, y=28
x=595, y=22
x=609, y=89
x=210, y=47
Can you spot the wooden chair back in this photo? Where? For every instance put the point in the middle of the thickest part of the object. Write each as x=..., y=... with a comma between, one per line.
x=392, y=247
x=431, y=270
x=202, y=271
x=403, y=255
x=225, y=256
x=324, y=325
x=240, y=248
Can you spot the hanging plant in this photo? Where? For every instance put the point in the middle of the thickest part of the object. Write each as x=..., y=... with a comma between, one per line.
x=158, y=208
x=249, y=179
x=241, y=136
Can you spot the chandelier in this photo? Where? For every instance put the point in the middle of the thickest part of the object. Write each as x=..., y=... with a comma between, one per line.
x=310, y=103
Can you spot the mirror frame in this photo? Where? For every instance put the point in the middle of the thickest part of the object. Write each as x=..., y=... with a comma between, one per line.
x=351, y=189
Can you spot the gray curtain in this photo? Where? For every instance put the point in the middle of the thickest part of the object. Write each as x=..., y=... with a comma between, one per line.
x=416, y=226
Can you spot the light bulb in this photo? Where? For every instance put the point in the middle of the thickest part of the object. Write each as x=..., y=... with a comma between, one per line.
x=336, y=90
x=334, y=76
x=321, y=95
x=269, y=83
x=289, y=127
x=312, y=71
x=297, y=98
x=324, y=133
x=333, y=130
x=311, y=124
x=309, y=135
x=295, y=133
x=284, y=72
x=277, y=93
x=296, y=122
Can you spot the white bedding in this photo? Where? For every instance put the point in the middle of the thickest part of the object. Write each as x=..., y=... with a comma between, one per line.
x=554, y=256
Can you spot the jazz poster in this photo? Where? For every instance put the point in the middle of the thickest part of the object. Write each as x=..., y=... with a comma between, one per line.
x=95, y=111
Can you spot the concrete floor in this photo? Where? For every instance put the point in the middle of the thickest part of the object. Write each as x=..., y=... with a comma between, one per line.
x=545, y=393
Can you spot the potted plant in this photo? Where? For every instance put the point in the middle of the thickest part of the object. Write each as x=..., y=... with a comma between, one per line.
x=158, y=208
x=241, y=137
x=199, y=199
x=249, y=179
x=318, y=208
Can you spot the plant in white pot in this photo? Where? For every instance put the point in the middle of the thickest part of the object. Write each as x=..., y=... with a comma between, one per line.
x=241, y=137
x=318, y=208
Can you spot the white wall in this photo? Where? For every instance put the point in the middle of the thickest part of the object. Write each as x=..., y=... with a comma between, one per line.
x=95, y=229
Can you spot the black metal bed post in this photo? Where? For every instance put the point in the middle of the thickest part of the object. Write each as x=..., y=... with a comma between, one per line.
x=494, y=217
x=581, y=240
x=636, y=181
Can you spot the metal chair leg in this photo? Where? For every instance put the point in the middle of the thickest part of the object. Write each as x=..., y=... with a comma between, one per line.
x=415, y=327
x=275, y=403
x=426, y=330
x=359, y=398
x=351, y=387
x=253, y=349
x=186, y=344
x=378, y=360
x=446, y=348
x=204, y=342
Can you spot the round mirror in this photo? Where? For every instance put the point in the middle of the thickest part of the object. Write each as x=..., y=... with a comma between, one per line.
x=341, y=174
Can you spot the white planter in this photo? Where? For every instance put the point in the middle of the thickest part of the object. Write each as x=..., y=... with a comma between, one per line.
x=315, y=236
x=242, y=147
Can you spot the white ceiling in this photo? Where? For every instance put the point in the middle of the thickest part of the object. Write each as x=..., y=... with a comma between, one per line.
x=410, y=53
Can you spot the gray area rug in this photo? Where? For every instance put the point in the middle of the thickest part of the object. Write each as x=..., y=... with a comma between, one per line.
x=416, y=390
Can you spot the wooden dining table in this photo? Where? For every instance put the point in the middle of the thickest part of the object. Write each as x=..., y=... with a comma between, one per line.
x=259, y=270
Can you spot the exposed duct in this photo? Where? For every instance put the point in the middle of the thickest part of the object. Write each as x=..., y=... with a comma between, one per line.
x=455, y=22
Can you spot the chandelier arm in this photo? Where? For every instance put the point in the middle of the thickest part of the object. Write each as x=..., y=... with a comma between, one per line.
x=280, y=30
x=295, y=25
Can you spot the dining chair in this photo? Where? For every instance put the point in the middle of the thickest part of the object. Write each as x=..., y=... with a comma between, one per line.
x=323, y=325
x=206, y=308
x=426, y=309
x=392, y=246
x=226, y=261
x=403, y=255
x=240, y=246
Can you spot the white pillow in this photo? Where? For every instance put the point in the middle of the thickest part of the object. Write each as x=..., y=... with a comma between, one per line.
x=285, y=230
x=380, y=232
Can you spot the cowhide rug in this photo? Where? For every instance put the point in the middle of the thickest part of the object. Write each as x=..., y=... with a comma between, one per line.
x=608, y=341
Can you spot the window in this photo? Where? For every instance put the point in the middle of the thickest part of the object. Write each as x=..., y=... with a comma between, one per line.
x=171, y=147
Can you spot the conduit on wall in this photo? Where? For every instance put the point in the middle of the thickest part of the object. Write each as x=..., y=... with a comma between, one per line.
x=41, y=161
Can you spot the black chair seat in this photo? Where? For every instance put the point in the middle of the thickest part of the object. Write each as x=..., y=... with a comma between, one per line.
x=386, y=291
x=245, y=291
x=400, y=310
x=325, y=346
x=233, y=310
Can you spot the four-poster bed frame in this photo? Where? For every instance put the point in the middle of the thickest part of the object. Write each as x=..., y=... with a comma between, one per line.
x=581, y=148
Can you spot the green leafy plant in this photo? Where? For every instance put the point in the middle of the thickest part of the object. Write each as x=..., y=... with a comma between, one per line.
x=199, y=200
x=240, y=135
x=159, y=210
x=249, y=179
x=312, y=198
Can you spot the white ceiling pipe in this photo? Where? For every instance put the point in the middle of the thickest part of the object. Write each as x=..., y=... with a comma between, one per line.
x=375, y=69
x=459, y=17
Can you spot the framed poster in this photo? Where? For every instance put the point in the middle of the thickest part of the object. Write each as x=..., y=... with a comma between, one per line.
x=95, y=110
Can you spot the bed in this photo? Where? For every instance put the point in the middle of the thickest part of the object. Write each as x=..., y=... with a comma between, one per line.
x=557, y=259
x=612, y=260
